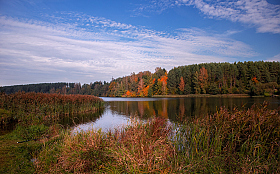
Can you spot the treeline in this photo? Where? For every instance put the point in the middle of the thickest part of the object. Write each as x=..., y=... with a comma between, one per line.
x=97, y=88
x=253, y=78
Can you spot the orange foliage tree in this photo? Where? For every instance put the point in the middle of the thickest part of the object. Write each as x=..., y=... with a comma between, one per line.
x=163, y=83
x=182, y=84
x=112, y=89
x=254, y=79
x=203, y=77
x=145, y=91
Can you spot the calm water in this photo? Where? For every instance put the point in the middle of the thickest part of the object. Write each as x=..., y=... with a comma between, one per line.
x=118, y=111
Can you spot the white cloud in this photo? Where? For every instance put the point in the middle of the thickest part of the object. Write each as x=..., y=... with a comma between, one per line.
x=58, y=50
x=258, y=13
x=275, y=58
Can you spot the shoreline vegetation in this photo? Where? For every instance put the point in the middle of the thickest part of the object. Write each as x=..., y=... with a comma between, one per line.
x=36, y=118
x=238, y=141
x=244, y=141
x=43, y=108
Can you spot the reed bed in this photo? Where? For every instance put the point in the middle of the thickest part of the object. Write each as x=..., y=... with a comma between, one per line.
x=241, y=141
x=44, y=108
x=37, y=117
x=139, y=147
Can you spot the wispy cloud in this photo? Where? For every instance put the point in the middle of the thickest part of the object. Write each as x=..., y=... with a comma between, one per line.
x=258, y=13
x=275, y=58
x=81, y=48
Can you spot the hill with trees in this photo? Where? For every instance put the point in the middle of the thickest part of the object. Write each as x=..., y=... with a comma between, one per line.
x=253, y=78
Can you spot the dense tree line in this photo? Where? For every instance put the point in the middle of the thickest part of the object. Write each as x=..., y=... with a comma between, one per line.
x=97, y=88
x=253, y=78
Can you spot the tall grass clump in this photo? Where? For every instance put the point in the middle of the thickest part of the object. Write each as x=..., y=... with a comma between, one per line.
x=139, y=147
x=143, y=147
x=244, y=141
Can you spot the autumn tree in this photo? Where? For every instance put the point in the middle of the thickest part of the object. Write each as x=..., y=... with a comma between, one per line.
x=203, y=77
x=112, y=89
x=140, y=87
x=182, y=85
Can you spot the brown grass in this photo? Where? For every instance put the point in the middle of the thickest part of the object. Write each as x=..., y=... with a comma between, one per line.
x=143, y=147
x=242, y=141
x=140, y=147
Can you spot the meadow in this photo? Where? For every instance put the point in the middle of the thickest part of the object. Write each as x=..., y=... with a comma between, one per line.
x=238, y=141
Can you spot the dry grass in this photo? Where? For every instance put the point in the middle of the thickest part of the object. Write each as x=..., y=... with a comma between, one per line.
x=140, y=147
x=44, y=108
x=244, y=141
x=143, y=147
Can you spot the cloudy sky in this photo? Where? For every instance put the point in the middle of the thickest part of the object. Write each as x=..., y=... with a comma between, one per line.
x=92, y=40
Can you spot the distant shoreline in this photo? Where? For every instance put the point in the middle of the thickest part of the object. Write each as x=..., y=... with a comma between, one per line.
x=205, y=95
x=201, y=96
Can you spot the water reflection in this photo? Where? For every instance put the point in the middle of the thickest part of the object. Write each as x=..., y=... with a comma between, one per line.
x=119, y=110
x=79, y=119
x=178, y=108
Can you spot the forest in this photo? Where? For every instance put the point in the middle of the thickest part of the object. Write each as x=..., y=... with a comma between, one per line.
x=253, y=78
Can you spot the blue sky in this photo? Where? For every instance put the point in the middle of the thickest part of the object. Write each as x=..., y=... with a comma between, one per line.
x=86, y=41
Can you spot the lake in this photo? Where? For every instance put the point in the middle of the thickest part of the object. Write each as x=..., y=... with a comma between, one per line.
x=118, y=111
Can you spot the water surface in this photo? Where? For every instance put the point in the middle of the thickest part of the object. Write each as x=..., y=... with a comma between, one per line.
x=118, y=111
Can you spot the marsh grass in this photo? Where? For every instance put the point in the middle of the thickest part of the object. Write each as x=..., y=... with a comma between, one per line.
x=238, y=141
x=143, y=147
x=242, y=141
x=41, y=108
x=37, y=116
x=139, y=147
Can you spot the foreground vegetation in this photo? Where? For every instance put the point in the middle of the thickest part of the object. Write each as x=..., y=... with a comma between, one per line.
x=36, y=116
x=238, y=141
x=244, y=141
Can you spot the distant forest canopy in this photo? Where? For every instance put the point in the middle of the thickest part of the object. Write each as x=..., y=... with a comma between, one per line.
x=253, y=78
x=96, y=88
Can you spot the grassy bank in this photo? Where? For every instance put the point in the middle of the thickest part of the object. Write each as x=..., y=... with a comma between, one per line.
x=244, y=141
x=36, y=116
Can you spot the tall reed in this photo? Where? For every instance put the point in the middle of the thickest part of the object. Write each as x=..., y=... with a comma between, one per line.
x=244, y=141
x=139, y=147
x=46, y=108
x=241, y=141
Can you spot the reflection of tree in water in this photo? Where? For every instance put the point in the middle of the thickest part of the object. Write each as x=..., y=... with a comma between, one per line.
x=75, y=119
x=181, y=108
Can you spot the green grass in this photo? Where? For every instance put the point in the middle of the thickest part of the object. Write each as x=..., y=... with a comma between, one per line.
x=36, y=115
